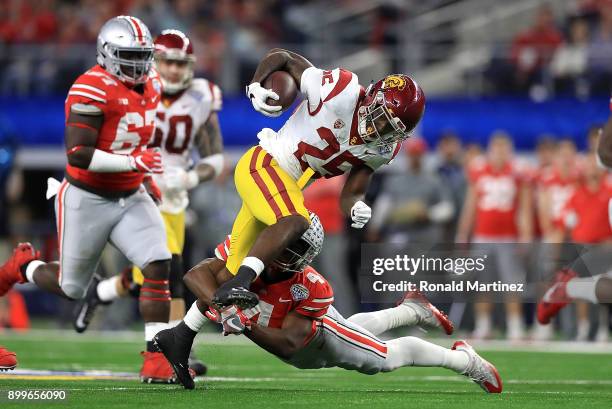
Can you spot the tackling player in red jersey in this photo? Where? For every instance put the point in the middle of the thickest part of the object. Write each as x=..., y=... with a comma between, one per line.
x=296, y=322
x=110, y=112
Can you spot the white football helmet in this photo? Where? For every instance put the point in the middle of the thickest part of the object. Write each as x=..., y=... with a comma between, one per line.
x=125, y=49
x=301, y=253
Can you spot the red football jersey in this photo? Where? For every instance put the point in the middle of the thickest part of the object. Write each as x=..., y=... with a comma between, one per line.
x=561, y=188
x=129, y=122
x=308, y=293
x=497, y=193
x=591, y=209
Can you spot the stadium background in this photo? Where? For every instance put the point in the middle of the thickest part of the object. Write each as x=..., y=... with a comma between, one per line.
x=483, y=64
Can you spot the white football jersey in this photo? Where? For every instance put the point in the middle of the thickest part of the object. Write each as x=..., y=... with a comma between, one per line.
x=177, y=125
x=322, y=132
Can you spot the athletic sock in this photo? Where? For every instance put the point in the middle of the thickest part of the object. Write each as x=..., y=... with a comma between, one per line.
x=107, y=289
x=27, y=270
x=194, y=319
x=412, y=351
x=151, y=329
x=378, y=322
x=583, y=288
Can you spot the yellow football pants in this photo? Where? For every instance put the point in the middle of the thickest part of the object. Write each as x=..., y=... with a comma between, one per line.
x=268, y=194
x=175, y=236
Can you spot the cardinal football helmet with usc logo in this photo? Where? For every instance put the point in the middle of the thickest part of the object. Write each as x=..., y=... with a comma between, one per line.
x=173, y=46
x=390, y=110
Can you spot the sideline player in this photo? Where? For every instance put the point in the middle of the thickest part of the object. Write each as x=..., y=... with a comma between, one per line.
x=186, y=119
x=339, y=128
x=110, y=112
x=295, y=321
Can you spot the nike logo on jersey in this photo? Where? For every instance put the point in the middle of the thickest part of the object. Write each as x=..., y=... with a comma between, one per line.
x=283, y=300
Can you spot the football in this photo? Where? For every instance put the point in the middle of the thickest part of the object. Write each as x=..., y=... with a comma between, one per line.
x=283, y=84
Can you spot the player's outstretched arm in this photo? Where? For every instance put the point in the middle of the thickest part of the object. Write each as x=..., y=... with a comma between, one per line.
x=283, y=342
x=604, y=149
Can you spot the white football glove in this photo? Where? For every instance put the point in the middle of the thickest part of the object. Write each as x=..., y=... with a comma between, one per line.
x=360, y=214
x=258, y=96
x=177, y=179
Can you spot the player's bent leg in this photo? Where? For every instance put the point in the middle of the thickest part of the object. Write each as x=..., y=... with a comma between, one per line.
x=268, y=246
x=413, y=309
x=603, y=289
x=275, y=200
x=14, y=269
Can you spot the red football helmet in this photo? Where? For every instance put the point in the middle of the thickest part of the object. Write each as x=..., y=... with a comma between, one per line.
x=174, y=46
x=390, y=110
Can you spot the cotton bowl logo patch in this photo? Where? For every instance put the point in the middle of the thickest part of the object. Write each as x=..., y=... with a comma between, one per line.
x=394, y=81
x=298, y=292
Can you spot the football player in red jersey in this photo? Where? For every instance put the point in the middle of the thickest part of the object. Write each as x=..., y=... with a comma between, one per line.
x=295, y=321
x=187, y=121
x=110, y=112
x=496, y=214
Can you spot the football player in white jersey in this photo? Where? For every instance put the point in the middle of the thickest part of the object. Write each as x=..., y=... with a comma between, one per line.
x=339, y=128
x=186, y=119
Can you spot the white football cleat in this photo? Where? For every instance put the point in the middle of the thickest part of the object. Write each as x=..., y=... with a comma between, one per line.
x=428, y=315
x=479, y=369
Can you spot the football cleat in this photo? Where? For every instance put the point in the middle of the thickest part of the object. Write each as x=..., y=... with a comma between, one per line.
x=555, y=297
x=176, y=351
x=195, y=364
x=428, y=315
x=85, y=308
x=10, y=272
x=479, y=369
x=238, y=296
x=156, y=369
x=8, y=359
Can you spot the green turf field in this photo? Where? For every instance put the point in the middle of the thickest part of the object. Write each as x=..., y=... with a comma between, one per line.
x=243, y=376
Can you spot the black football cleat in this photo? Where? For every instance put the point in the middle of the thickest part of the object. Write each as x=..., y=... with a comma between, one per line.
x=238, y=296
x=176, y=350
x=195, y=364
x=85, y=308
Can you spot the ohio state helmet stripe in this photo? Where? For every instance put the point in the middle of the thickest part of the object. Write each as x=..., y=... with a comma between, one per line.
x=135, y=27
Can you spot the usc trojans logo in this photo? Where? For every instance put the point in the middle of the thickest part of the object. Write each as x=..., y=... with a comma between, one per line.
x=394, y=81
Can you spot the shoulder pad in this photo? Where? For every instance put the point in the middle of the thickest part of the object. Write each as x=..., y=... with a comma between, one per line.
x=85, y=109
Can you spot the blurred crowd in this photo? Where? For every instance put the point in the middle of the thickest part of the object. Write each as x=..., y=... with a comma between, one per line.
x=568, y=54
x=572, y=55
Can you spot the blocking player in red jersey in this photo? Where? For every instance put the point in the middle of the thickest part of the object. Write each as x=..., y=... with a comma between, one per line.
x=110, y=112
x=296, y=322
x=497, y=214
x=586, y=217
x=187, y=121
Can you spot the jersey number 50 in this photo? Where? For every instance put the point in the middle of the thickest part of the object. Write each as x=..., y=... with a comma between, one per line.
x=179, y=134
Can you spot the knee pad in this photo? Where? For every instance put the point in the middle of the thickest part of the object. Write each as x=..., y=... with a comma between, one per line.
x=176, y=277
